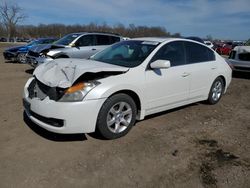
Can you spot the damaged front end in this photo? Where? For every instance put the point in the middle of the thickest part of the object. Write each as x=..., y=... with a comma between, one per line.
x=37, y=89
x=69, y=81
x=42, y=50
x=75, y=93
x=40, y=54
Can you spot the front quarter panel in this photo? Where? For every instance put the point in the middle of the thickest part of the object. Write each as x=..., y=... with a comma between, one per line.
x=133, y=80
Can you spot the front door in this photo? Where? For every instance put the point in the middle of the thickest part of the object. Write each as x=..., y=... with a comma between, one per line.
x=167, y=88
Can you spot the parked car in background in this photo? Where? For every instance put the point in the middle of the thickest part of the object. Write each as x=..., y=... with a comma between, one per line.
x=209, y=43
x=247, y=43
x=124, y=82
x=3, y=39
x=240, y=58
x=74, y=45
x=237, y=43
x=18, y=53
x=224, y=49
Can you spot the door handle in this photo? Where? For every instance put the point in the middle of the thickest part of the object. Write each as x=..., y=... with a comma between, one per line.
x=93, y=49
x=213, y=68
x=185, y=74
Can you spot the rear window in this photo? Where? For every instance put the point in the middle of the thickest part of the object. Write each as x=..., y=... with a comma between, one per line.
x=197, y=53
x=102, y=40
x=106, y=39
x=114, y=39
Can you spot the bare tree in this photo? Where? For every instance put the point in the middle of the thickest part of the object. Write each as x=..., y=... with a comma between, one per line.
x=11, y=15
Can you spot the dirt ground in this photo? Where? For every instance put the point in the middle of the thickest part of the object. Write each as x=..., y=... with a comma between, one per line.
x=194, y=146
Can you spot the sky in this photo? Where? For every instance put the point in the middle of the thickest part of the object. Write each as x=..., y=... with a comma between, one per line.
x=223, y=19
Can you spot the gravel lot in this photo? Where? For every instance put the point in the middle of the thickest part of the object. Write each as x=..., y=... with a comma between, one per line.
x=194, y=146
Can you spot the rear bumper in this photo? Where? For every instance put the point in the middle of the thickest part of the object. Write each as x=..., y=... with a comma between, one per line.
x=238, y=65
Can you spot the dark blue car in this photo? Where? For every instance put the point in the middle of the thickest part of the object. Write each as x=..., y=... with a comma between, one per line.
x=18, y=53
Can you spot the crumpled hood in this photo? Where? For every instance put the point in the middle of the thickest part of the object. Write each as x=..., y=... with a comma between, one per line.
x=40, y=48
x=64, y=72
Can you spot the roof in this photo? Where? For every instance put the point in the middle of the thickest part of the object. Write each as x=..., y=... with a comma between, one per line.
x=242, y=49
x=154, y=39
x=165, y=39
x=45, y=38
x=94, y=32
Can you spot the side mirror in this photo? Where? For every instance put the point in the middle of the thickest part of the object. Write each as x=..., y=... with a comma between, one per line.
x=160, y=64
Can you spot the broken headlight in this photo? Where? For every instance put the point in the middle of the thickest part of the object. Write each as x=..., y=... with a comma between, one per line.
x=78, y=91
x=42, y=55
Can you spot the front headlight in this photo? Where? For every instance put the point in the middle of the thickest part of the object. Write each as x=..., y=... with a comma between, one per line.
x=42, y=55
x=78, y=91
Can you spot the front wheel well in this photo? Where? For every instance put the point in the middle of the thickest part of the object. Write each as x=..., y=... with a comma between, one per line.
x=133, y=95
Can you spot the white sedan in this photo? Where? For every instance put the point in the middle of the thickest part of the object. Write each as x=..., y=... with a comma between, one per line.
x=124, y=83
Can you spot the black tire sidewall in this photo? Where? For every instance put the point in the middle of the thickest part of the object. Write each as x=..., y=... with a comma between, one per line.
x=101, y=125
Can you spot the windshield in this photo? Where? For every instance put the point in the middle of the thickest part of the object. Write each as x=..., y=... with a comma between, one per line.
x=66, y=40
x=127, y=53
x=32, y=43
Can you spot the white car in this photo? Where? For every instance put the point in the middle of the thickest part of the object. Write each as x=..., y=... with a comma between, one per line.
x=209, y=43
x=239, y=58
x=124, y=83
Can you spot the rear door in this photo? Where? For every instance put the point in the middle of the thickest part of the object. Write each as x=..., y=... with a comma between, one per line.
x=202, y=67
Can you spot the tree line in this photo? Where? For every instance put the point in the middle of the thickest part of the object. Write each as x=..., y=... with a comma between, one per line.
x=59, y=30
x=12, y=16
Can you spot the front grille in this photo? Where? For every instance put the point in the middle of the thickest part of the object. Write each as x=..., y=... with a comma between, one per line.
x=51, y=121
x=34, y=54
x=39, y=90
x=8, y=55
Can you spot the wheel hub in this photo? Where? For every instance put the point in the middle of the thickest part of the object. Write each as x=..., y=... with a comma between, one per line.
x=119, y=117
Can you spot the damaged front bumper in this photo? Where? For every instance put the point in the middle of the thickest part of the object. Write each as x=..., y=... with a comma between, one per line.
x=35, y=61
x=9, y=55
x=62, y=117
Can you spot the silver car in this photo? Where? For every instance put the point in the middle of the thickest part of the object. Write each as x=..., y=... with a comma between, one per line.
x=239, y=58
x=74, y=45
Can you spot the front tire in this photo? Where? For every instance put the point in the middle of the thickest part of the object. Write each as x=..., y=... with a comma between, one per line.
x=216, y=91
x=21, y=58
x=116, y=117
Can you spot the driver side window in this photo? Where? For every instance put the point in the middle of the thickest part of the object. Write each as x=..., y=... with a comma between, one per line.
x=173, y=51
x=87, y=40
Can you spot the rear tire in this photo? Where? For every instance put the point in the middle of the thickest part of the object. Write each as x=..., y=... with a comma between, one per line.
x=216, y=91
x=116, y=117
